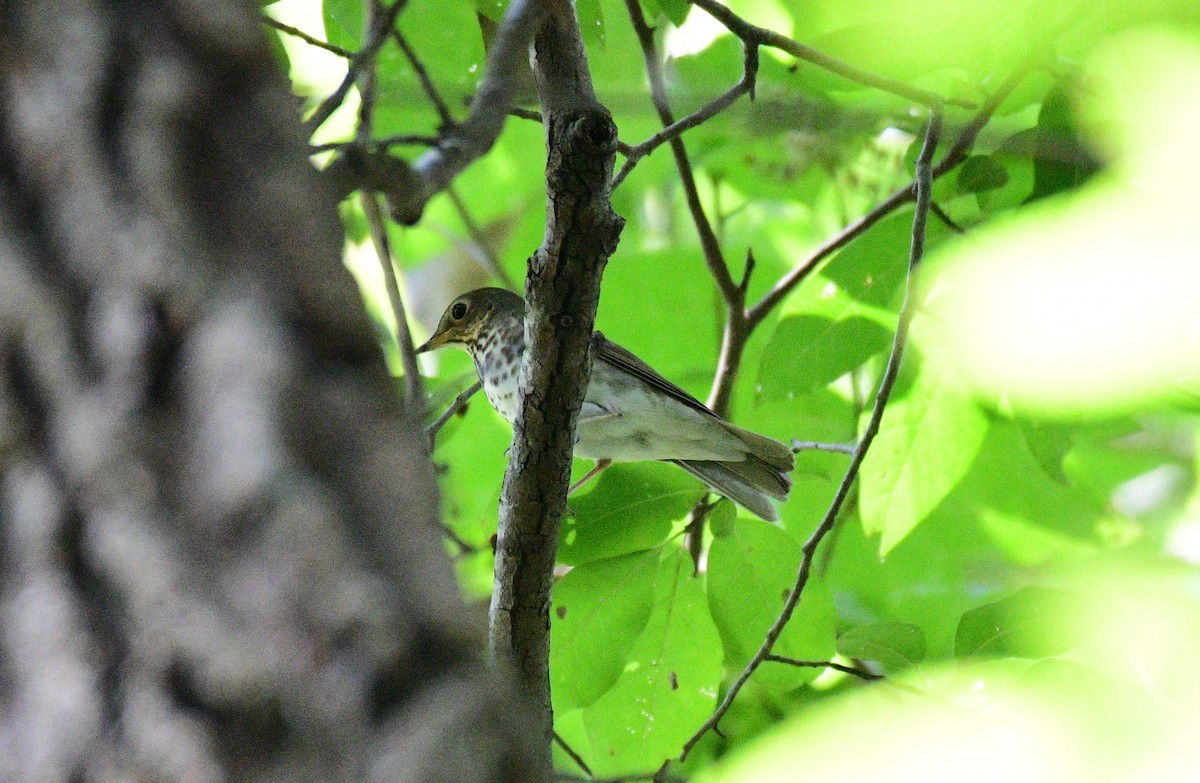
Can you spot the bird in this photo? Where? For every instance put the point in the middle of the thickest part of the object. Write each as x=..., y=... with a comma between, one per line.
x=630, y=413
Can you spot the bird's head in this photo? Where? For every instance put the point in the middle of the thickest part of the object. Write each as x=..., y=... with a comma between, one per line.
x=471, y=315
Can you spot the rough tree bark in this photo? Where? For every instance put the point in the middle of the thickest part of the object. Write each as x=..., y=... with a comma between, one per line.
x=219, y=547
x=562, y=290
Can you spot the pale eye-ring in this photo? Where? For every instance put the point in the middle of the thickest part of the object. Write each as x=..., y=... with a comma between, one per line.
x=458, y=311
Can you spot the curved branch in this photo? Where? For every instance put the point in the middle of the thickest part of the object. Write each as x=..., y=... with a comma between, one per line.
x=951, y=160
x=466, y=142
x=924, y=182
x=636, y=152
x=753, y=35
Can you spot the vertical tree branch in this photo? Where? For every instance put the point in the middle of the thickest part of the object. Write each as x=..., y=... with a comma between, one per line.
x=563, y=290
x=438, y=167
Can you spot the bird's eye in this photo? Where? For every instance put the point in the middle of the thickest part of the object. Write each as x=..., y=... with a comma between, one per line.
x=458, y=311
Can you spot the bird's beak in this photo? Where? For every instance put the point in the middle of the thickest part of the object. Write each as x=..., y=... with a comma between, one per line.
x=436, y=341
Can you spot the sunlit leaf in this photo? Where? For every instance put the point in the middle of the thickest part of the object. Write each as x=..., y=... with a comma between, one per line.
x=630, y=508
x=751, y=568
x=1034, y=622
x=669, y=683
x=894, y=645
x=807, y=352
x=598, y=610
x=926, y=443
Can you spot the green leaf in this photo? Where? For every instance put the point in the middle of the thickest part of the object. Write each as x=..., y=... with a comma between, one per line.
x=894, y=645
x=1034, y=622
x=344, y=22
x=872, y=269
x=631, y=508
x=669, y=683
x=981, y=173
x=675, y=10
x=492, y=9
x=598, y=611
x=1061, y=159
x=751, y=569
x=591, y=22
x=806, y=352
x=641, y=309
x=1049, y=444
x=926, y=443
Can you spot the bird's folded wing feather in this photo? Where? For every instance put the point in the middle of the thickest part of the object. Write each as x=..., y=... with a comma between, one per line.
x=618, y=357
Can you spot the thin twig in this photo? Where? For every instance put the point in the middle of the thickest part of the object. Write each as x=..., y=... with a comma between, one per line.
x=860, y=673
x=759, y=311
x=636, y=152
x=433, y=429
x=414, y=387
x=574, y=756
x=474, y=136
x=525, y=114
x=713, y=256
x=414, y=397
x=813, y=445
x=367, y=78
x=394, y=141
x=390, y=141
x=308, y=39
x=464, y=546
x=734, y=336
x=753, y=35
x=943, y=216
x=447, y=119
x=924, y=181
x=361, y=58
x=953, y=158
x=489, y=257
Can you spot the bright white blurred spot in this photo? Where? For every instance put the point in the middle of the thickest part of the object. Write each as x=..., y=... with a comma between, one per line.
x=912, y=738
x=314, y=71
x=894, y=140
x=696, y=34
x=1184, y=541
x=1143, y=494
x=1120, y=706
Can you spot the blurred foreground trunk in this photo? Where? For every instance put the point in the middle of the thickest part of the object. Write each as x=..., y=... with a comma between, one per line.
x=219, y=557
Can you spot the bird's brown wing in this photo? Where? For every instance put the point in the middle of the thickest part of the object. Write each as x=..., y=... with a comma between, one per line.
x=622, y=359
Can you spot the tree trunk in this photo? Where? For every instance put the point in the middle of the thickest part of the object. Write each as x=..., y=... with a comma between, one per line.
x=221, y=558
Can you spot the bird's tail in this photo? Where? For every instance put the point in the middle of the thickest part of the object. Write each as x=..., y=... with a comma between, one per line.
x=749, y=482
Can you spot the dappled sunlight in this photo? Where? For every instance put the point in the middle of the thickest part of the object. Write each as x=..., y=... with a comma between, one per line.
x=1090, y=304
x=1115, y=706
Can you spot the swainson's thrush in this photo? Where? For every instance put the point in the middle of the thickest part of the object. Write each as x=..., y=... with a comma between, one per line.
x=630, y=413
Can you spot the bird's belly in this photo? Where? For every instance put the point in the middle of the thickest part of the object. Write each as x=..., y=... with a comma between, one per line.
x=623, y=421
x=501, y=393
x=629, y=425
